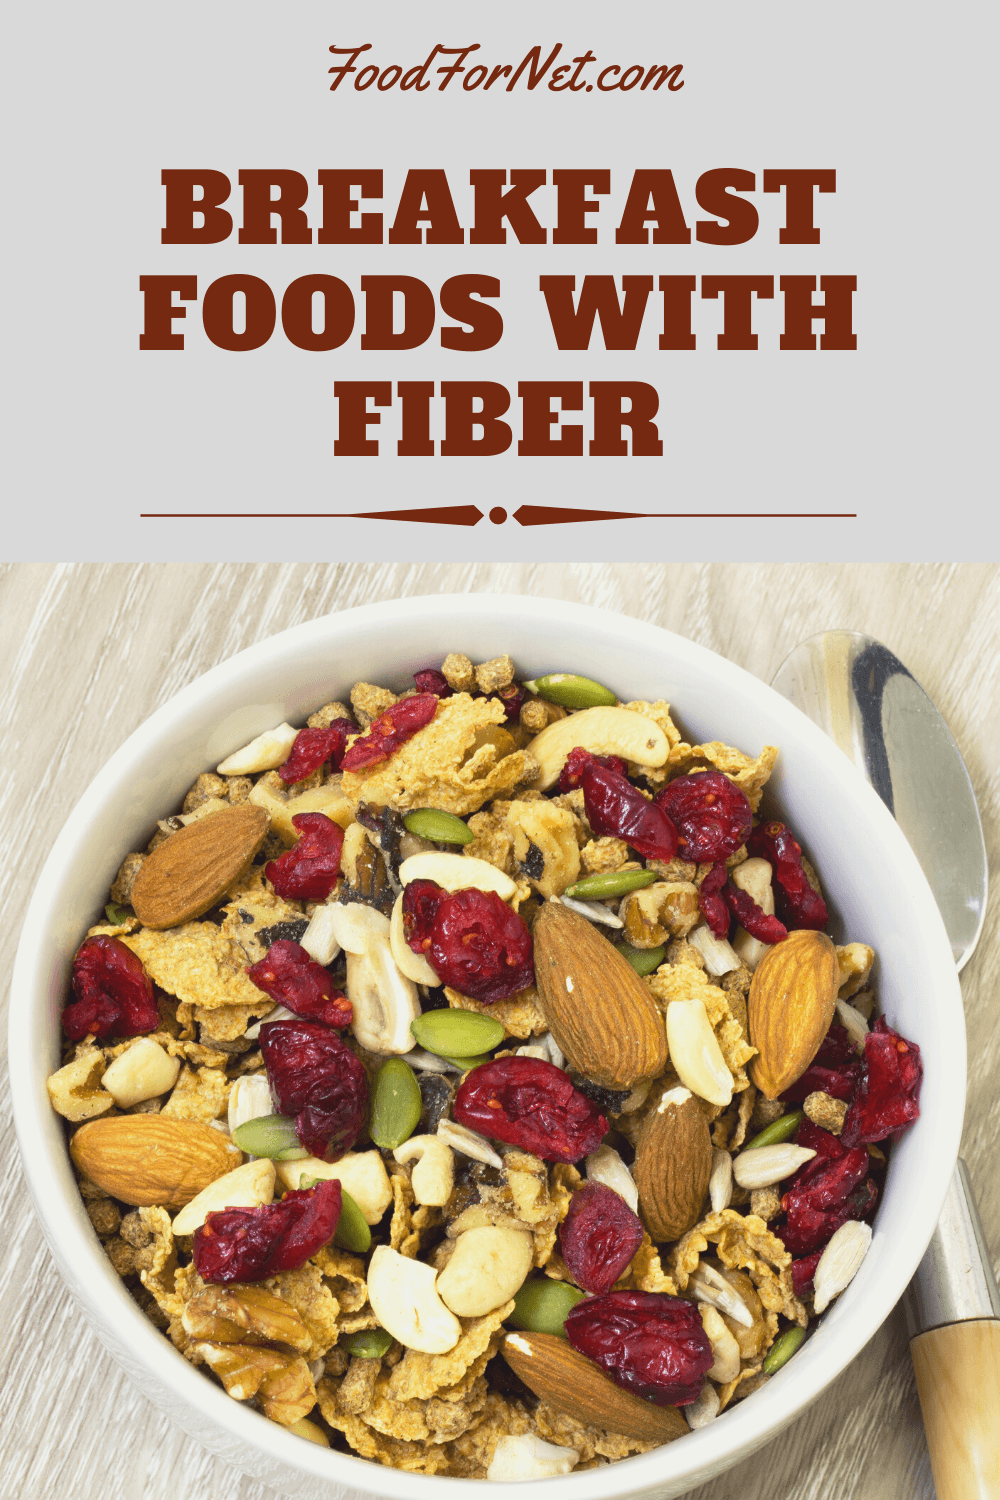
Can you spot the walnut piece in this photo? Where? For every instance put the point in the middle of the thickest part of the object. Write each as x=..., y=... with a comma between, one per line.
x=75, y=1090
x=661, y=911
x=245, y=1315
x=545, y=845
x=281, y=1382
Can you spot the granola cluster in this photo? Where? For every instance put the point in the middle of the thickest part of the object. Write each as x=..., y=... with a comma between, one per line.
x=310, y=1347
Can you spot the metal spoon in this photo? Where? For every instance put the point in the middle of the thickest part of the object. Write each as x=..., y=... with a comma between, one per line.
x=866, y=700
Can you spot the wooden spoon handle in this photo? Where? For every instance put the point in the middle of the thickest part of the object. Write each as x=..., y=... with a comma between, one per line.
x=958, y=1381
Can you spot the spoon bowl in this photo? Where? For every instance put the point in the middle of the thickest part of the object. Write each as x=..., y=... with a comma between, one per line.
x=872, y=706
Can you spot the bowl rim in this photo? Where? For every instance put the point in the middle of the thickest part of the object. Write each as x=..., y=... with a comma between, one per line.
x=81, y=1260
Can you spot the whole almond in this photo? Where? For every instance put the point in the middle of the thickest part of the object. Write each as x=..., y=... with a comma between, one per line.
x=673, y=1164
x=568, y=1381
x=146, y=1160
x=601, y=1014
x=790, y=1007
x=195, y=866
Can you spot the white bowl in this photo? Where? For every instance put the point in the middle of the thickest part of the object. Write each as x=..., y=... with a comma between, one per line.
x=873, y=881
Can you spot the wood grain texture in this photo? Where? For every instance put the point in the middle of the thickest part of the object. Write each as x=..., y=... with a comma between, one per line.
x=89, y=651
x=957, y=1371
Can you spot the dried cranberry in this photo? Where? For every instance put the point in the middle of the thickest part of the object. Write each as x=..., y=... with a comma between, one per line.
x=837, y=1082
x=710, y=902
x=887, y=1096
x=836, y=1048
x=797, y=903
x=480, y=947
x=649, y=1343
x=511, y=697
x=390, y=730
x=309, y=870
x=825, y=1144
x=598, y=1237
x=803, y=1272
x=311, y=747
x=289, y=975
x=531, y=1104
x=810, y=1228
x=251, y=1244
x=711, y=815
x=616, y=808
x=432, y=681
x=114, y=994
x=421, y=899
x=829, y=1186
x=572, y=772
x=315, y=1077
x=751, y=916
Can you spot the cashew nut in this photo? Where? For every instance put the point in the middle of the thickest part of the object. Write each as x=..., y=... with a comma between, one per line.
x=695, y=1052
x=384, y=1000
x=142, y=1072
x=754, y=877
x=487, y=1267
x=268, y=751
x=246, y=1187
x=404, y=1299
x=605, y=1165
x=527, y=1456
x=360, y=1173
x=434, y=1174
x=456, y=872
x=726, y=1350
x=412, y=965
x=603, y=731
x=356, y=926
x=716, y=951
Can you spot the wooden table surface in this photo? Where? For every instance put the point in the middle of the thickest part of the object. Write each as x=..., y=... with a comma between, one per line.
x=89, y=651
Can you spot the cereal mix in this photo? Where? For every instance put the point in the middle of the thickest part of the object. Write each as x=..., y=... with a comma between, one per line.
x=467, y=1080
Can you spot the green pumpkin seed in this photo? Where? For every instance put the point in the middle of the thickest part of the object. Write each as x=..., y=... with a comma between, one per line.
x=270, y=1135
x=372, y=1343
x=571, y=691
x=781, y=1129
x=611, y=883
x=117, y=915
x=352, y=1230
x=782, y=1349
x=457, y=1033
x=396, y=1104
x=541, y=1306
x=440, y=827
x=643, y=960
x=467, y=1063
